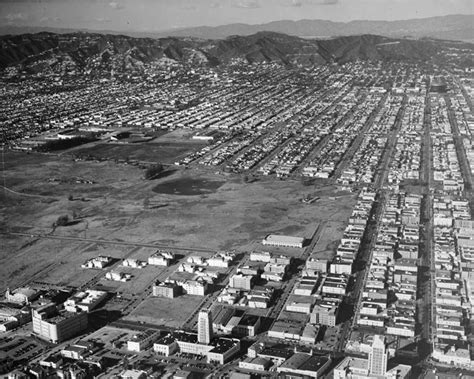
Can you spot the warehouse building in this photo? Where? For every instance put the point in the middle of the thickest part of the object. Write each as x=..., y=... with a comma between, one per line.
x=283, y=241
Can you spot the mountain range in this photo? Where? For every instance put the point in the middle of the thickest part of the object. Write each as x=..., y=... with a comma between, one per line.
x=87, y=51
x=452, y=27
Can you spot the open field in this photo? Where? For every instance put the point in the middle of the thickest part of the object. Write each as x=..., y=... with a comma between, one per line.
x=169, y=312
x=111, y=206
x=141, y=279
x=162, y=152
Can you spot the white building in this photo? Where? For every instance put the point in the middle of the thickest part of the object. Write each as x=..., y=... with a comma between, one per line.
x=85, y=300
x=205, y=326
x=283, y=241
x=142, y=341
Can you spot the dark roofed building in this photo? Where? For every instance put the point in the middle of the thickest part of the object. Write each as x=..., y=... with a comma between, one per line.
x=302, y=365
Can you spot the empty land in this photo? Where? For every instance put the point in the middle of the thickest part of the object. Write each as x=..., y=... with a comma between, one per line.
x=162, y=152
x=108, y=202
x=163, y=311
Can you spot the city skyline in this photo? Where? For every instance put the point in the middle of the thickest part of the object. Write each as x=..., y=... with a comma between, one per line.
x=164, y=15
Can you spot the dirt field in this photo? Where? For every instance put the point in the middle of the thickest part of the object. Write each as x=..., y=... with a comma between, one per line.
x=169, y=312
x=162, y=152
x=141, y=279
x=112, y=203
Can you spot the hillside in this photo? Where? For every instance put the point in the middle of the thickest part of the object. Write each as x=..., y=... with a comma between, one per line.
x=84, y=51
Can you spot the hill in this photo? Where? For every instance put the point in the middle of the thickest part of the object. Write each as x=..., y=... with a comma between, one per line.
x=85, y=51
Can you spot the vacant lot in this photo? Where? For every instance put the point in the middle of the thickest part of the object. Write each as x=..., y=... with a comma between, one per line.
x=112, y=204
x=164, y=152
x=188, y=186
x=169, y=312
x=140, y=281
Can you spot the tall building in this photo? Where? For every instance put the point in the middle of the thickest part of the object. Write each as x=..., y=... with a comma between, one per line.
x=378, y=356
x=205, y=326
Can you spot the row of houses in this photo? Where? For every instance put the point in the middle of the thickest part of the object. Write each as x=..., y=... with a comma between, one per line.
x=344, y=126
x=352, y=238
x=405, y=164
x=446, y=170
x=366, y=159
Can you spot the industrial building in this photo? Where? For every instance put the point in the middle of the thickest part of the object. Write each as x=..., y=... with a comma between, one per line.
x=57, y=326
x=283, y=241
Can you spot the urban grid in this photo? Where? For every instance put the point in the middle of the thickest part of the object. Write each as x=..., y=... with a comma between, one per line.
x=174, y=216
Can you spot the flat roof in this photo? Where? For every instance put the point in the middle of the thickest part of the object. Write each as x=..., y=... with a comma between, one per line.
x=305, y=362
x=274, y=238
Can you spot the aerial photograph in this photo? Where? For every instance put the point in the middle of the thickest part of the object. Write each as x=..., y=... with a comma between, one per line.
x=236, y=189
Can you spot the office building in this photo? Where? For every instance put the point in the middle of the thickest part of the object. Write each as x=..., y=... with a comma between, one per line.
x=205, y=326
x=241, y=281
x=378, y=356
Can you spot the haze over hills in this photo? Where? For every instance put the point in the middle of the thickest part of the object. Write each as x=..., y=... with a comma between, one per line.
x=455, y=27
x=60, y=52
x=451, y=27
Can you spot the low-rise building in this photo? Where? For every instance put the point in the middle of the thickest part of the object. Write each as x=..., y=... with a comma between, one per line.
x=324, y=315
x=85, y=300
x=304, y=365
x=166, y=289
x=22, y=296
x=283, y=241
x=220, y=350
x=142, y=341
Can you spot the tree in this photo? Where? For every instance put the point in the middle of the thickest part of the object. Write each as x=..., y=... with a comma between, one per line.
x=62, y=220
x=153, y=171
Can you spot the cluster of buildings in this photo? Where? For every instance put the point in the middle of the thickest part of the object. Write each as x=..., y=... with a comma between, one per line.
x=55, y=315
x=323, y=165
x=216, y=349
x=284, y=361
x=453, y=280
x=461, y=105
x=161, y=258
x=99, y=262
x=373, y=366
x=446, y=170
x=387, y=302
x=351, y=240
x=406, y=162
x=195, y=276
x=242, y=289
x=366, y=160
x=258, y=151
x=173, y=287
x=264, y=119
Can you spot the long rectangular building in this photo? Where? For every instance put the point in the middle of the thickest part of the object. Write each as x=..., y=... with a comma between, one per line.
x=283, y=241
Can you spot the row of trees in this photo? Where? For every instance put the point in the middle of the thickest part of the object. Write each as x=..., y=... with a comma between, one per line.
x=63, y=144
x=153, y=171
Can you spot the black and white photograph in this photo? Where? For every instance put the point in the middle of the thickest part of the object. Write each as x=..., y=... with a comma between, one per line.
x=236, y=189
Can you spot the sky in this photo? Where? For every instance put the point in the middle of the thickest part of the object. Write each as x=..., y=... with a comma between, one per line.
x=162, y=15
